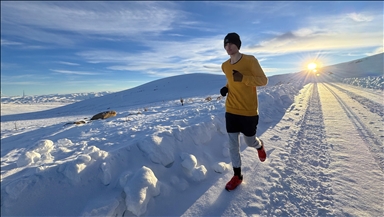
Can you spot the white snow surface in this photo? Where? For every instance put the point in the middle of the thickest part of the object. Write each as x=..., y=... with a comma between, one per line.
x=157, y=157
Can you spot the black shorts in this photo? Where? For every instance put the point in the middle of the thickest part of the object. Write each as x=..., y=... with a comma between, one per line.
x=246, y=125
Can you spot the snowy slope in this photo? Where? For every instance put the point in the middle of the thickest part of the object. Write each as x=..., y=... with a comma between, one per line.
x=161, y=90
x=160, y=158
x=369, y=66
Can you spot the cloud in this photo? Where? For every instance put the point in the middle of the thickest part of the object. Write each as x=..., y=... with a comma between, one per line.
x=174, y=57
x=324, y=33
x=257, y=7
x=15, y=77
x=22, y=83
x=6, y=42
x=21, y=45
x=315, y=43
x=74, y=72
x=35, y=34
x=358, y=17
x=68, y=63
x=141, y=39
x=105, y=56
x=8, y=66
x=304, y=32
x=35, y=20
x=23, y=79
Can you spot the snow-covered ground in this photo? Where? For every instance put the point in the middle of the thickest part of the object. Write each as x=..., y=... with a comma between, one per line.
x=52, y=98
x=157, y=157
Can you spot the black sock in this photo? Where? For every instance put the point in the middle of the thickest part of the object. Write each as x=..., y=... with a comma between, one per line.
x=237, y=171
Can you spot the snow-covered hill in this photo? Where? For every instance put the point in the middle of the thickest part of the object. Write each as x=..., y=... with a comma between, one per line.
x=360, y=68
x=51, y=98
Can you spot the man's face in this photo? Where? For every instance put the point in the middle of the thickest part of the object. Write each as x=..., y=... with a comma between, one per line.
x=231, y=48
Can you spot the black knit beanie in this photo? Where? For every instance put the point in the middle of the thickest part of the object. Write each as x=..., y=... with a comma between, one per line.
x=233, y=38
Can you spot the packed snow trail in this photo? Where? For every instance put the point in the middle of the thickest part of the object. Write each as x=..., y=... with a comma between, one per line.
x=304, y=174
x=304, y=187
x=369, y=127
x=356, y=149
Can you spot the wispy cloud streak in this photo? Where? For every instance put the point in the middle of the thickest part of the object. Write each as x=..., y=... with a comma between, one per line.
x=74, y=72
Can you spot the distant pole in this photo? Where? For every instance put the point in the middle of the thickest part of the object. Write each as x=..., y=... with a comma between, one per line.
x=23, y=94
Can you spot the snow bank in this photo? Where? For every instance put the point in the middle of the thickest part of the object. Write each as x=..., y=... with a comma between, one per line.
x=43, y=153
x=371, y=82
x=39, y=154
x=276, y=99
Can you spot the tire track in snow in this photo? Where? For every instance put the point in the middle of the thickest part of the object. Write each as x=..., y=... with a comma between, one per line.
x=373, y=143
x=305, y=187
x=357, y=179
x=374, y=107
x=374, y=95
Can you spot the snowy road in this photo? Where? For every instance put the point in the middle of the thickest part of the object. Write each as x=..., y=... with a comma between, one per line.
x=364, y=115
x=325, y=159
x=355, y=133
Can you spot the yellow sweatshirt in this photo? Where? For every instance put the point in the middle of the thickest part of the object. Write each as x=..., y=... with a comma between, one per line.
x=242, y=96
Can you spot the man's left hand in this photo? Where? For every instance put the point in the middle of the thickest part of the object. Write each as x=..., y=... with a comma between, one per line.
x=237, y=76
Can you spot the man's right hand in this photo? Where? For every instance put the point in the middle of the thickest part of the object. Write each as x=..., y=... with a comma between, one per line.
x=224, y=91
x=237, y=76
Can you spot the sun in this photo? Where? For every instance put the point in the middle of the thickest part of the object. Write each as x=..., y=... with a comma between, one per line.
x=312, y=63
x=312, y=66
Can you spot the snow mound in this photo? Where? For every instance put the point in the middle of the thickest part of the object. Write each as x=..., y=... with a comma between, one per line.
x=39, y=154
x=73, y=169
x=159, y=149
x=139, y=189
x=189, y=163
x=221, y=167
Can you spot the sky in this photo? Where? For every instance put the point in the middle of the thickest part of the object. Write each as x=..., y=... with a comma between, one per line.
x=92, y=46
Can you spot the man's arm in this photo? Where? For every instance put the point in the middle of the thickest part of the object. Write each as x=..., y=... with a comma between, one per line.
x=258, y=77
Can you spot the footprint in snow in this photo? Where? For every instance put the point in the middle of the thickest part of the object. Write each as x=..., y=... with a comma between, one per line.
x=285, y=128
x=275, y=138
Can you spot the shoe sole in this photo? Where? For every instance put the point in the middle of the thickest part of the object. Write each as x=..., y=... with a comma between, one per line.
x=263, y=159
x=229, y=190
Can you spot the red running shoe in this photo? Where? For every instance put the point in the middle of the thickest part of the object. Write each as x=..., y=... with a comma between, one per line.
x=261, y=152
x=235, y=181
